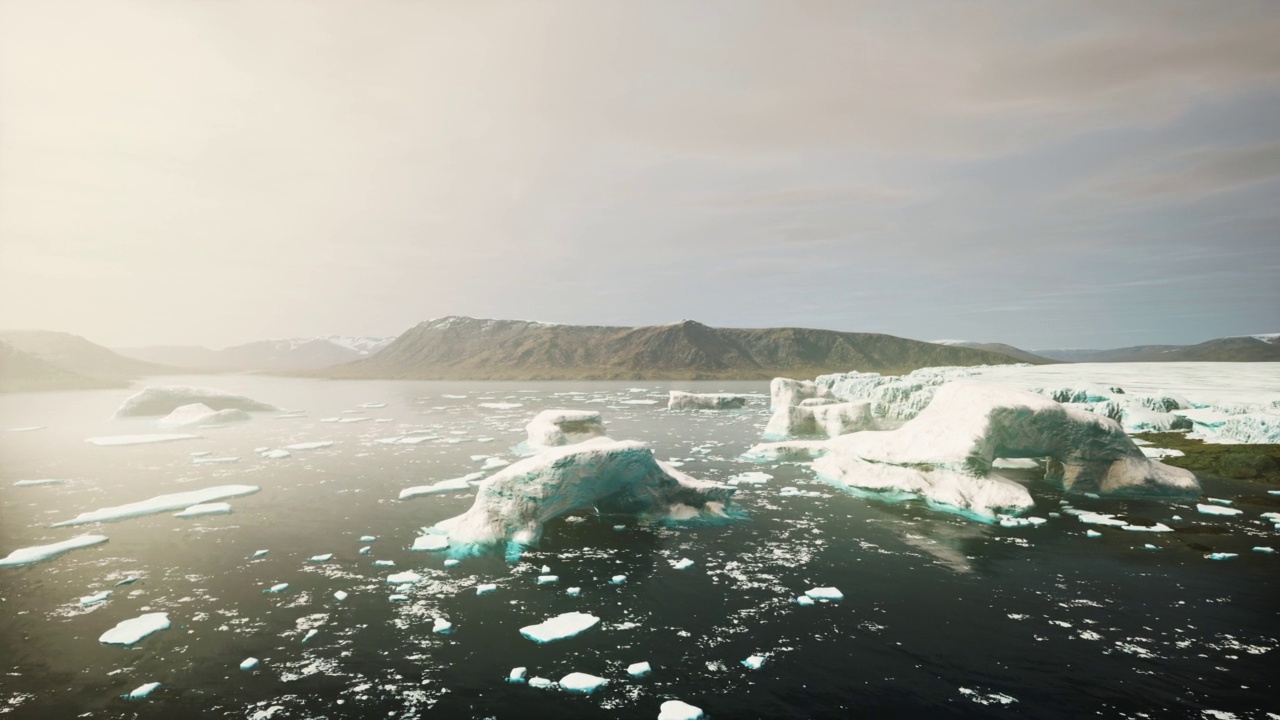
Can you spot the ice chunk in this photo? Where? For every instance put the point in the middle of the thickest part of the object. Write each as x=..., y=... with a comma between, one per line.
x=313, y=445
x=259, y=553
x=580, y=682
x=95, y=598
x=444, y=486
x=249, y=663
x=539, y=682
x=750, y=478
x=451, y=562
x=755, y=662
x=804, y=600
x=517, y=675
x=384, y=563
x=373, y=405
x=618, y=579
x=398, y=597
x=340, y=595
x=442, y=626
x=310, y=634
x=1216, y=510
x=277, y=588
x=39, y=553
x=1218, y=501
x=553, y=428
x=1222, y=556
x=501, y=405
x=326, y=557
x=28, y=428
x=1092, y=533
x=37, y=483
x=430, y=542
x=216, y=460
x=494, y=463
x=199, y=414
x=164, y=400
x=128, y=632
x=559, y=627
x=786, y=451
x=485, y=588
x=1008, y=521
x=142, y=691
x=368, y=538
x=678, y=400
x=982, y=497
x=679, y=710
x=514, y=504
x=1157, y=527
x=127, y=581
x=682, y=564
x=218, y=508
x=122, y=440
x=404, y=578
x=573, y=591
x=546, y=579
x=1264, y=549
x=824, y=593
x=639, y=669
x=1093, y=518
x=160, y=503
x=365, y=550
x=275, y=454
x=830, y=420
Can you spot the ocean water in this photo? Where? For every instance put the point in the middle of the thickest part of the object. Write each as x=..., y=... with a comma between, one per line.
x=942, y=616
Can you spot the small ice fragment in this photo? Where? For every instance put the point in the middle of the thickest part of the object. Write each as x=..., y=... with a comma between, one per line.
x=1264, y=549
x=1216, y=510
x=450, y=562
x=278, y=588
x=249, y=663
x=320, y=558
x=754, y=662
x=368, y=538
x=95, y=598
x=546, y=569
x=1218, y=501
x=544, y=579
x=142, y=691
x=618, y=579
x=384, y=563
x=619, y=527
x=315, y=445
x=683, y=564
x=1149, y=546
x=559, y=627
x=128, y=632
x=824, y=593
x=275, y=454
x=398, y=597
x=573, y=591
x=366, y=550
x=339, y=595
x=259, y=553
x=431, y=542
x=639, y=669
x=408, y=577
x=494, y=463
x=442, y=626
x=580, y=682
x=679, y=710
x=37, y=483
x=517, y=675
x=485, y=588
x=160, y=503
x=127, y=581
x=1092, y=533
x=217, y=508
x=216, y=460
x=310, y=634
x=1222, y=556
x=539, y=682
x=1158, y=527
x=804, y=600
x=122, y=440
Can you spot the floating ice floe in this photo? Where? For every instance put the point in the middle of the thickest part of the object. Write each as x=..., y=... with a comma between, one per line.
x=166, y=399
x=259, y=553
x=313, y=445
x=1222, y=556
x=340, y=595
x=96, y=598
x=494, y=463
x=310, y=634
x=562, y=626
x=142, y=691
x=830, y=420
x=249, y=663
x=1156, y=528
x=485, y=588
x=517, y=675
x=786, y=451
x=639, y=669
x=38, y=483
x=682, y=564
x=1216, y=510
x=548, y=579
x=160, y=503
x=613, y=476
x=750, y=478
x=1011, y=521
x=618, y=579
x=1092, y=533
x=275, y=454
x=679, y=710
x=407, y=577
x=28, y=428
x=123, y=440
x=277, y=588
x=554, y=428
x=501, y=405
x=384, y=563
x=326, y=557
x=679, y=400
x=580, y=682
x=573, y=591
x=199, y=414
x=444, y=486
x=218, y=508
x=39, y=553
x=215, y=460
x=540, y=682
x=442, y=626
x=755, y=662
x=1267, y=550
x=824, y=593
x=133, y=630
x=373, y=405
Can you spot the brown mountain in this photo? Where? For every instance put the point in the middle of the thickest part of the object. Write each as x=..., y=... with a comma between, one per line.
x=22, y=372
x=461, y=348
x=74, y=353
x=1263, y=348
x=1016, y=353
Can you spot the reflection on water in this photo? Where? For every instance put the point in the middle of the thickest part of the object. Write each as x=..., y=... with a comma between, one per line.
x=940, y=614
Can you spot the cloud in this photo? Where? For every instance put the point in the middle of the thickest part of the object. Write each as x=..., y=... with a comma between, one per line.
x=1188, y=175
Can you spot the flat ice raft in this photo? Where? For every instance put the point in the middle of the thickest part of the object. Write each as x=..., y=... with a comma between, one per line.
x=679, y=400
x=122, y=440
x=560, y=627
x=39, y=553
x=162, y=400
x=613, y=476
x=160, y=503
x=129, y=632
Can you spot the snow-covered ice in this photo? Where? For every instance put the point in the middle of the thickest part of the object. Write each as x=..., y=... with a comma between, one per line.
x=94, y=599
x=580, y=682
x=553, y=428
x=39, y=553
x=160, y=503
x=679, y=710
x=830, y=420
x=217, y=508
x=559, y=627
x=679, y=400
x=128, y=632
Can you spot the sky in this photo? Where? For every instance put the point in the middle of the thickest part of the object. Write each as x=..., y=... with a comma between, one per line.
x=1048, y=174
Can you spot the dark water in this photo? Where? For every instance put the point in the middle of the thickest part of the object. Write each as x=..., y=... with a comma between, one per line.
x=942, y=616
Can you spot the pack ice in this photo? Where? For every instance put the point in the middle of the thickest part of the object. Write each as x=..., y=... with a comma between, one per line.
x=160, y=503
x=39, y=553
x=945, y=454
x=128, y=632
x=614, y=476
x=553, y=428
x=162, y=400
x=201, y=414
x=680, y=400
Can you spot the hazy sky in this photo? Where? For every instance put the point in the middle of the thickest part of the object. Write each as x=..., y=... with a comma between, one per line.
x=1049, y=174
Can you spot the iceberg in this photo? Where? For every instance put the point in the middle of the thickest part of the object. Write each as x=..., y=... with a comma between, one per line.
x=517, y=675
x=554, y=428
x=580, y=682
x=830, y=420
x=133, y=630
x=613, y=476
x=201, y=414
x=166, y=399
x=560, y=627
x=679, y=400
x=124, y=440
x=142, y=691
x=218, y=508
x=40, y=553
x=785, y=392
x=159, y=504
x=444, y=486
x=679, y=710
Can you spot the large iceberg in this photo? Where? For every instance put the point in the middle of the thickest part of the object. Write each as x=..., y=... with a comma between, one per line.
x=165, y=399
x=554, y=428
x=39, y=553
x=891, y=396
x=201, y=414
x=613, y=476
x=829, y=420
x=784, y=392
x=680, y=400
x=946, y=452
x=160, y=503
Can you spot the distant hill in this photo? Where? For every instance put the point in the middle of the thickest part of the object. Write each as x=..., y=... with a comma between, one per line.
x=81, y=357
x=21, y=372
x=1249, y=348
x=265, y=355
x=462, y=348
x=1016, y=353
